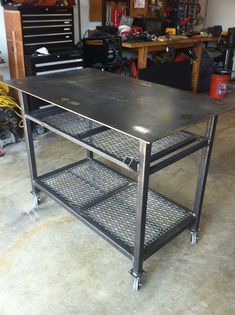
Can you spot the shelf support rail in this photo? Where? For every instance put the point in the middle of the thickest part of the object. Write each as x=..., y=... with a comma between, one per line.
x=29, y=143
x=178, y=156
x=203, y=172
x=141, y=208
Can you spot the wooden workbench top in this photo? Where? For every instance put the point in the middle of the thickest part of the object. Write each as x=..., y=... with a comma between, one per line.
x=173, y=42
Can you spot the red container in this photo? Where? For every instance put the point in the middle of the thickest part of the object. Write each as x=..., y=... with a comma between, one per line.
x=219, y=83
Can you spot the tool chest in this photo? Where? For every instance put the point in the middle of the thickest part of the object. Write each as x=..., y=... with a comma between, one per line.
x=50, y=27
x=29, y=28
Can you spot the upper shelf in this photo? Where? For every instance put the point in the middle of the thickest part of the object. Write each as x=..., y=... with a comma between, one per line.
x=142, y=110
x=114, y=145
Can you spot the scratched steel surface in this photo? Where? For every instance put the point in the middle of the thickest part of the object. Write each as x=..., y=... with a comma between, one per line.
x=140, y=109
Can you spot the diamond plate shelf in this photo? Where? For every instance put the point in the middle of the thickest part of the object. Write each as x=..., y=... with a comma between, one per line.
x=67, y=122
x=119, y=146
x=106, y=201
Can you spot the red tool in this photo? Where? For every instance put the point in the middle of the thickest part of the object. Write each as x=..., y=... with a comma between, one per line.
x=185, y=21
x=136, y=30
x=116, y=15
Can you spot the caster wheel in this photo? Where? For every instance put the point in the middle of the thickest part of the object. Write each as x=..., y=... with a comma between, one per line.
x=136, y=284
x=36, y=199
x=39, y=130
x=194, y=238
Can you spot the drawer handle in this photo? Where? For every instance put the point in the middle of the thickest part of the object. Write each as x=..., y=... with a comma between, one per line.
x=52, y=63
x=52, y=42
x=57, y=71
x=66, y=21
x=44, y=35
x=58, y=14
x=44, y=26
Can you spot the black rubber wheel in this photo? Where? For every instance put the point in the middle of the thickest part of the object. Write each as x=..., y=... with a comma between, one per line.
x=40, y=130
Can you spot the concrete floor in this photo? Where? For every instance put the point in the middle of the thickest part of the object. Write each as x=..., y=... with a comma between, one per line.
x=50, y=263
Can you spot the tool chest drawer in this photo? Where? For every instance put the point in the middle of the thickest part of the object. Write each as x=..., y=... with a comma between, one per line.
x=59, y=61
x=48, y=39
x=40, y=31
x=55, y=62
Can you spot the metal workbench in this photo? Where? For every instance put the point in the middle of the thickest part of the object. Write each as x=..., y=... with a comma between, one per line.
x=137, y=125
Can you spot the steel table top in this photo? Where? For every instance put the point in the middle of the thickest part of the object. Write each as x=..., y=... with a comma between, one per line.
x=143, y=110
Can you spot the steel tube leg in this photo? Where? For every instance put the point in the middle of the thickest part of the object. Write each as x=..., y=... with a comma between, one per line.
x=141, y=207
x=90, y=154
x=30, y=147
x=202, y=177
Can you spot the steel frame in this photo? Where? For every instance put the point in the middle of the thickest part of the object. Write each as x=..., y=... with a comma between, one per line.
x=144, y=171
x=130, y=164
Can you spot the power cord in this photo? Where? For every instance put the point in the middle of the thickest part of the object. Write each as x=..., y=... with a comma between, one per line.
x=7, y=101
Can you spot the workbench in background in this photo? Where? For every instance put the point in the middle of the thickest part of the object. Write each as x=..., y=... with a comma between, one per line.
x=143, y=48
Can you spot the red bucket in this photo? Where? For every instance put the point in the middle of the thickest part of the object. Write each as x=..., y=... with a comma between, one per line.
x=218, y=86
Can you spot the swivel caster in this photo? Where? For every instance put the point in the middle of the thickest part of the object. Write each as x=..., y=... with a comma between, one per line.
x=36, y=199
x=39, y=130
x=194, y=237
x=136, y=281
x=136, y=284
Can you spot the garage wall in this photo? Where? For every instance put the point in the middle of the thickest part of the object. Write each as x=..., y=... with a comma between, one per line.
x=202, y=14
x=221, y=13
x=3, y=45
x=86, y=24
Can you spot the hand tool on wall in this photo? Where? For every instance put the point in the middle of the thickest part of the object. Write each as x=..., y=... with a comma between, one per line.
x=116, y=15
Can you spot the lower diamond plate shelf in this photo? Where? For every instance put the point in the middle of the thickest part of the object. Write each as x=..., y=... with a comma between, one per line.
x=106, y=200
x=117, y=215
x=83, y=184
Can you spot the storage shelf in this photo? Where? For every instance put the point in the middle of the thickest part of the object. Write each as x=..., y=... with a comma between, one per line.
x=67, y=122
x=84, y=183
x=106, y=201
x=110, y=142
x=125, y=148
